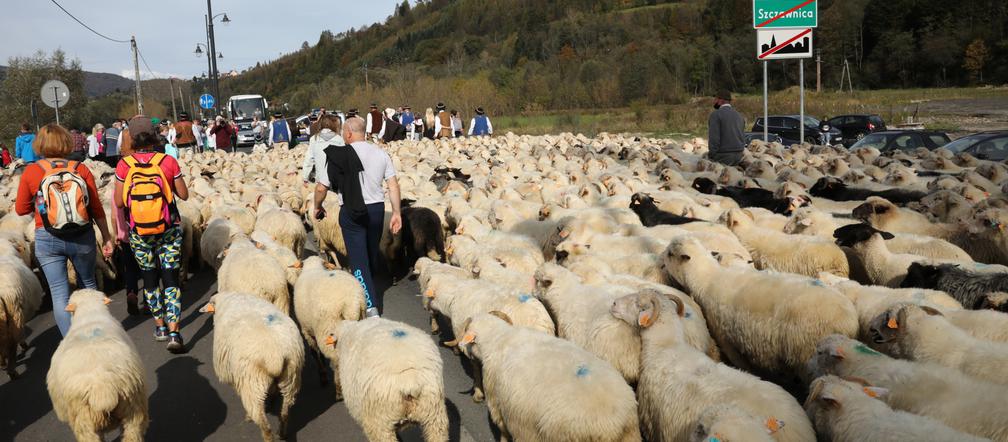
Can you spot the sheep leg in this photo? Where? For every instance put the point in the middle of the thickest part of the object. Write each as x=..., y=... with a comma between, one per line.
x=288, y=390
x=134, y=427
x=253, y=397
x=83, y=429
x=434, y=327
x=336, y=382
x=435, y=424
x=478, y=396
x=323, y=379
x=380, y=433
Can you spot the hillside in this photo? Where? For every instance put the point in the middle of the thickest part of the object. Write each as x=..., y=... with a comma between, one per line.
x=528, y=56
x=97, y=84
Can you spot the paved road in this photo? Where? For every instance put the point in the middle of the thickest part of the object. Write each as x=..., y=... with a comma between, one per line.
x=187, y=403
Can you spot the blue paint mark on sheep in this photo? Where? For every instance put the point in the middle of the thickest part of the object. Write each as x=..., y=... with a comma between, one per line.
x=271, y=318
x=861, y=348
x=817, y=283
x=582, y=371
x=96, y=333
x=397, y=333
x=713, y=439
x=524, y=297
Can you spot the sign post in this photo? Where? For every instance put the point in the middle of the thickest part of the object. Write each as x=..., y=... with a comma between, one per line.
x=206, y=101
x=55, y=94
x=783, y=31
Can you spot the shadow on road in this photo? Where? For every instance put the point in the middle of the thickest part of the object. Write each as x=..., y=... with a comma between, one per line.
x=25, y=400
x=179, y=383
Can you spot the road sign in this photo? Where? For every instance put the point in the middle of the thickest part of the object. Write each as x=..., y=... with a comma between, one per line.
x=785, y=14
x=777, y=44
x=55, y=93
x=206, y=101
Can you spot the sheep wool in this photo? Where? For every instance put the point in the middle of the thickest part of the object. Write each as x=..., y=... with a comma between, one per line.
x=20, y=298
x=97, y=395
x=247, y=269
x=775, y=250
x=730, y=423
x=322, y=298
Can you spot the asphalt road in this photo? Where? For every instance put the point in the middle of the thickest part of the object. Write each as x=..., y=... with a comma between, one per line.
x=187, y=403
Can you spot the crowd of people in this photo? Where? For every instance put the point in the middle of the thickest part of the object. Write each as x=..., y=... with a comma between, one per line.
x=388, y=125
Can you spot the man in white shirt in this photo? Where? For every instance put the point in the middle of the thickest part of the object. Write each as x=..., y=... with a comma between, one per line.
x=184, y=134
x=442, y=123
x=480, y=124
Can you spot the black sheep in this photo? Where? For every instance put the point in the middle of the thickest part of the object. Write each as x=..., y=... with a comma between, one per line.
x=422, y=236
x=851, y=234
x=834, y=189
x=750, y=197
x=650, y=215
x=971, y=289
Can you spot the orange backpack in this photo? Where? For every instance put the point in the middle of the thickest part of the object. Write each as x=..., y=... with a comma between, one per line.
x=63, y=199
x=148, y=196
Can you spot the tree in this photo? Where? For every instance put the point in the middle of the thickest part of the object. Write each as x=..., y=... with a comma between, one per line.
x=976, y=57
x=21, y=86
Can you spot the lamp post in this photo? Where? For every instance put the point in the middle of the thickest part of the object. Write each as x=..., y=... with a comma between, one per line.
x=214, y=74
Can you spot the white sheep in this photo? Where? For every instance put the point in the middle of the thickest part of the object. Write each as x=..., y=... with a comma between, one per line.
x=283, y=226
x=540, y=387
x=771, y=321
x=248, y=269
x=727, y=423
x=284, y=256
x=775, y=250
x=256, y=348
x=843, y=410
x=323, y=296
x=20, y=297
x=940, y=393
x=95, y=395
x=215, y=240
x=389, y=373
x=677, y=382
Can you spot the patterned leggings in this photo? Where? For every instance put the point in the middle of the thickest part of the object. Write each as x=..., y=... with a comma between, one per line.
x=166, y=248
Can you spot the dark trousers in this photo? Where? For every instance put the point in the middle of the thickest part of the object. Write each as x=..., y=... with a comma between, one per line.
x=726, y=158
x=361, y=236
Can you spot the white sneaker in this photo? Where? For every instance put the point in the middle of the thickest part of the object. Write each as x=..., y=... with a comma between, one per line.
x=371, y=312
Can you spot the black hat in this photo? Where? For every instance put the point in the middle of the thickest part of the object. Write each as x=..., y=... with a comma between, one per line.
x=374, y=106
x=406, y=107
x=183, y=116
x=479, y=111
x=277, y=114
x=723, y=94
x=440, y=106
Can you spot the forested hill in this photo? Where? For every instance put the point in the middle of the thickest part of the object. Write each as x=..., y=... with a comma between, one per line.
x=514, y=55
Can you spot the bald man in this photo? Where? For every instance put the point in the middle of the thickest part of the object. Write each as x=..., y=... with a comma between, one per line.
x=356, y=172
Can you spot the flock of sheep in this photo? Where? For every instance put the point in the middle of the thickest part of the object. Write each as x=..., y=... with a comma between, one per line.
x=603, y=289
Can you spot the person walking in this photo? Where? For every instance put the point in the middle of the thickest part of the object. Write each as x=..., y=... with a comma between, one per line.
x=480, y=124
x=374, y=123
x=314, y=165
x=357, y=172
x=726, y=142
x=111, y=136
x=125, y=262
x=200, y=135
x=63, y=196
x=442, y=124
x=95, y=148
x=279, y=132
x=184, y=135
x=80, y=145
x=456, y=124
x=125, y=141
x=222, y=133
x=211, y=139
x=429, y=122
x=406, y=119
x=391, y=129
x=147, y=184
x=23, y=149
x=5, y=156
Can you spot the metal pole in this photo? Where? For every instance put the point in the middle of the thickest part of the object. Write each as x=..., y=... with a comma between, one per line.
x=136, y=74
x=766, y=113
x=171, y=90
x=801, y=101
x=213, y=57
x=55, y=91
x=210, y=55
x=818, y=71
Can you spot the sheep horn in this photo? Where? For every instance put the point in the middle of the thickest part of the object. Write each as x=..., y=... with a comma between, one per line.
x=502, y=316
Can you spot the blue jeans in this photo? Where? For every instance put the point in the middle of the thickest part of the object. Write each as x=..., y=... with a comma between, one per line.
x=53, y=253
x=361, y=237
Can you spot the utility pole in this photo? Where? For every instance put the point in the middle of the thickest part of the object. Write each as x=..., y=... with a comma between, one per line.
x=171, y=90
x=367, y=85
x=213, y=57
x=136, y=73
x=818, y=71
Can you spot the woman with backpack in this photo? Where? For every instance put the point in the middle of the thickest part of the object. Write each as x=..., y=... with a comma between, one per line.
x=147, y=183
x=62, y=233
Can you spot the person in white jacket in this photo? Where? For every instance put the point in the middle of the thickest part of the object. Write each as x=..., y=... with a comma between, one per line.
x=330, y=128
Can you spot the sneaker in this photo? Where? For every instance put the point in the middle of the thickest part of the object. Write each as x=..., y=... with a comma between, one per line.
x=175, y=344
x=371, y=312
x=160, y=334
x=132, y=304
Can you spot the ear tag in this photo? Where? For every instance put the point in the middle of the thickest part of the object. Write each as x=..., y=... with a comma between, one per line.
x=892, y=324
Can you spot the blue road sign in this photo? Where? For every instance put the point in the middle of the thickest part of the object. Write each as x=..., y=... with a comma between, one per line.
x=206, y=101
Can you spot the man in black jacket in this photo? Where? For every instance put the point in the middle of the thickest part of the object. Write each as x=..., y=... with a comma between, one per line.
x=726, y=141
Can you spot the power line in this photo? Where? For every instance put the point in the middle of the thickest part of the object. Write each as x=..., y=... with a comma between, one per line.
x=149, y=70
x=88, y=27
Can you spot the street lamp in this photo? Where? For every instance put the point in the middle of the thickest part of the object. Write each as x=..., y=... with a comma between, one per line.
x=212, y=49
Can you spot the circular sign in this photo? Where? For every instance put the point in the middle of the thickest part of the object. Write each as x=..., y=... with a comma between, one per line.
x=206, y=101
x=55, y=94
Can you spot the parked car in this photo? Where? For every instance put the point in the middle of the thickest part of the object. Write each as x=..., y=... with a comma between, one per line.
x=855, y=127
x=992, y=145
x=751, y=136
x=787, y=127
x=893, y=140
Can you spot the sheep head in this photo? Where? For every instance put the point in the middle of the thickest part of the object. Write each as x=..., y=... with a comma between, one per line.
x=86, y=298
x=875, y=211
x=889, y=329
x=839, y=355
x=831, y=394
x=853, y=234
x=727, y=422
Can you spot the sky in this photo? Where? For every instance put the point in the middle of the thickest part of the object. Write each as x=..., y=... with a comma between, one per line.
x=167, y=31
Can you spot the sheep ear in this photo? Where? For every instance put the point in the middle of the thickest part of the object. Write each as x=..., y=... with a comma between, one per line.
x=330, y=340
x=837, y=353
x=805, y=222
x=207, y=308
x=503, y=316
x=876, y=392
x=749, y=214
x=829, y=399
x=931, y=311
x=71, y=307
x=106, y=300
x=887, y=235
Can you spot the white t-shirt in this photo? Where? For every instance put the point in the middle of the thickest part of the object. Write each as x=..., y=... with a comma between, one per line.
x=377, y=168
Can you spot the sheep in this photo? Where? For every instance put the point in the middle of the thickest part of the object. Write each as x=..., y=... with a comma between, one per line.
x=328, y=235
x=20, y=297
x=322, y=298
x=921, y=333
x=256, y=348
x=578, y=398
x=247, y=269
x=460, y=299
x=678, y=382
x=422, y=235
x=948, y=396
x=969, y=288
x=883, y=267
x=284, y=256
x=215, y=240
x=884, y=215
x=773, y=250
x=647, y=266
x=389, y=373
x=836, y=190
x=283, y=226
x=650, y=215
x=740, y=305
x=95, y=395
x=728, y=423
x=843, y=410
x=750, y=197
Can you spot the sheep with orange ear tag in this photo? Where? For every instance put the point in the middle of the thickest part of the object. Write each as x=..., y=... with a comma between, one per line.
x=95, y=395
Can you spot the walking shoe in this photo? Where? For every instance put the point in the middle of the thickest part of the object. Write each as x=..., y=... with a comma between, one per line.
x=160, y=333
x=131, y=304
x=175, y=344
x=371, y=312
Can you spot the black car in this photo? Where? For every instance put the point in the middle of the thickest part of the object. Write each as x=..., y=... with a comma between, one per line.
x=906, y=140
x=855, y=127
x=751, y=136
x=787, y=126
x=991, y=145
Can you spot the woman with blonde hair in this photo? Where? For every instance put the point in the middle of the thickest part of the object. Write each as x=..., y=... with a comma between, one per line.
x=55, y=241
x=428, y=131
x=95, y=141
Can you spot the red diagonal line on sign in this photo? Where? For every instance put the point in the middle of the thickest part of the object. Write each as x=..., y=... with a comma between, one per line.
x=781, y=15
x=781, y=46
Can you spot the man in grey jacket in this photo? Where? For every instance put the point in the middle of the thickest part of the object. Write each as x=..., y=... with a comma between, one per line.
x=724, y=132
